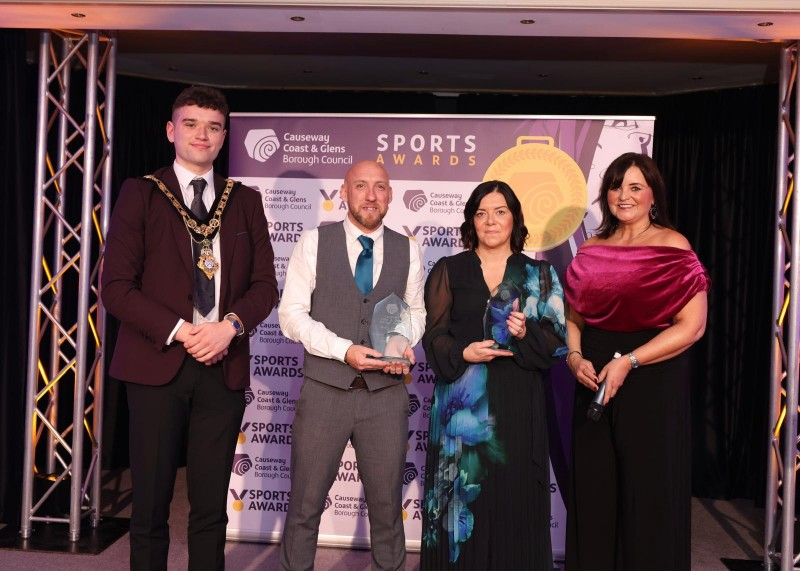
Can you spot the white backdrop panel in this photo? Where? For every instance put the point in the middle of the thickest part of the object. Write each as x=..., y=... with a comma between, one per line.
x=297, y=163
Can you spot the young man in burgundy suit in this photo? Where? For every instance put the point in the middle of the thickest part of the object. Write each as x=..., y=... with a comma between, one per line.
x=188, y=271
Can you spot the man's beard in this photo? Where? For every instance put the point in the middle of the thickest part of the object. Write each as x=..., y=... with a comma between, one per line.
x=371, y=220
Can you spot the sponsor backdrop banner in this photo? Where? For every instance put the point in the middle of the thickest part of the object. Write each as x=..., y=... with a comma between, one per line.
x=297, y=163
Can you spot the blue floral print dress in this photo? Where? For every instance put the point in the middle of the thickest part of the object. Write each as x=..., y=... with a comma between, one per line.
x=486, y=502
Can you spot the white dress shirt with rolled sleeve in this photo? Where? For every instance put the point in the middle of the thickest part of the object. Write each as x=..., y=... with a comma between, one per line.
x=295, y=306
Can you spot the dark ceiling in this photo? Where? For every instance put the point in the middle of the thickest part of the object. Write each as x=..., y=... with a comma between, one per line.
x=460, y=64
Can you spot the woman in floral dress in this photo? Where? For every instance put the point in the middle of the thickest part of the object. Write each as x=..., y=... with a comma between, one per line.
x=487, y=480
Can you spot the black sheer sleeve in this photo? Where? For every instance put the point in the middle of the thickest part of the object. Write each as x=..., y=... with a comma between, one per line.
x=445, y=353
x=537, y=349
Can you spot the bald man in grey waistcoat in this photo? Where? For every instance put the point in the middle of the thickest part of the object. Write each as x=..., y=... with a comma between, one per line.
x=336, y=275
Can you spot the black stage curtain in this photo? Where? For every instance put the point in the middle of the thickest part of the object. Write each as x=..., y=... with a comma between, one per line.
x=17, y=151
x=717, y=153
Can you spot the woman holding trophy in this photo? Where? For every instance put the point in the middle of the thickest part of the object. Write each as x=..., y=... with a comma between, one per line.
x=487, y=498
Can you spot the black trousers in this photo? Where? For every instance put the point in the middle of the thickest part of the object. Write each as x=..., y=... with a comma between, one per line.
x=629, y=506
x=195, y=410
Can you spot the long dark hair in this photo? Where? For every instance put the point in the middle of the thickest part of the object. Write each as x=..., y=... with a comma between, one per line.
x=613, y=179
x=519, y=233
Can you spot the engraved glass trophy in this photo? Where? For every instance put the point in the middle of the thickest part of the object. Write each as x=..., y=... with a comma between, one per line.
x=390, y=329
x=504, y=300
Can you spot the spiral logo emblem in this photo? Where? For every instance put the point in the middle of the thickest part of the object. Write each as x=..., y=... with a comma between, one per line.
x=328, y=503
x=410, y=473
x=241, y=464
x=415, y=199
x=413, y=404
x=248, y=396
x=261, y=144
x=550, y=186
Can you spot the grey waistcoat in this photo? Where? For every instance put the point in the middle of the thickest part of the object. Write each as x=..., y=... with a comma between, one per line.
x=337, y=302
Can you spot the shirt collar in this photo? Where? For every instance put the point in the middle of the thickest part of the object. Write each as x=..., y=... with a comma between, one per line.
x=185, y=176
x=352, y=232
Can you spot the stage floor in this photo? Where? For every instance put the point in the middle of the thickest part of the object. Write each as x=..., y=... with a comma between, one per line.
x=721, y=530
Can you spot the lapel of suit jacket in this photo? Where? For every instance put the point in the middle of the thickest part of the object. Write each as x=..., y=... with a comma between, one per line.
x=227, y=235
x=182, y=239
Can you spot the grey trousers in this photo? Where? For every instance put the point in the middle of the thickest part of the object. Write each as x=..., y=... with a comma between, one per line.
x=376, y=423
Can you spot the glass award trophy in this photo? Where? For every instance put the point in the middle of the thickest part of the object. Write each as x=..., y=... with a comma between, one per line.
x=390, y=329
x=504, y=300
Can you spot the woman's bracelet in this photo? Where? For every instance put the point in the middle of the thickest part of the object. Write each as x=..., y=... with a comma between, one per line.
x=572, y=353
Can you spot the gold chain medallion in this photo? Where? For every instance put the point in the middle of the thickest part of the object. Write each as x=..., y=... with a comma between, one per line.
x=207, y=263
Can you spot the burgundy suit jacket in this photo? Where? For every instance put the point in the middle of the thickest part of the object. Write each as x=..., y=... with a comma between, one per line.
x=147, y=278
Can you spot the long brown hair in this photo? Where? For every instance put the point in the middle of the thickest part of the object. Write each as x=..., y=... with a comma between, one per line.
x=612, y=179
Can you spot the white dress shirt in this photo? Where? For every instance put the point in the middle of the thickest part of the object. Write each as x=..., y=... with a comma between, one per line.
x=301, y=276
x=185, y=177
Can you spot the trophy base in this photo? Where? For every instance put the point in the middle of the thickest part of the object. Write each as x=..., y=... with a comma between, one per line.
x=395, y=360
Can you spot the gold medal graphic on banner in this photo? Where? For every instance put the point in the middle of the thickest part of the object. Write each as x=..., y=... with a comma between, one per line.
x=550, y=186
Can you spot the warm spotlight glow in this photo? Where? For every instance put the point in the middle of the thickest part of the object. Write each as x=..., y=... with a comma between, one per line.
x=786, y=202
x=94, y=330
x=777, y=430
x=785, y=307
x=100, y=124
x=49, y=275
x=97, y=226
x=42, y=372
x=51, y=170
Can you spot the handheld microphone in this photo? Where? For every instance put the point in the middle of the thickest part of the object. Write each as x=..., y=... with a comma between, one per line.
x=596, y=407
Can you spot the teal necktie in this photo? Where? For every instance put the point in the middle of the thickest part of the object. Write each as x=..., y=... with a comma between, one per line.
x=364, y=266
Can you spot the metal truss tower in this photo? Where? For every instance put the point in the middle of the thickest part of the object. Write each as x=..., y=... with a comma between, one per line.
x=64, y=411
x=780, y=549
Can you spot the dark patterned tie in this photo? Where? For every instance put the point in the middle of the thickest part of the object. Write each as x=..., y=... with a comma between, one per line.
x=203, y=287
x=364, y=266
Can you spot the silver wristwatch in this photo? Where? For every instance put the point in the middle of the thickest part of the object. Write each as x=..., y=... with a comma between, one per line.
x=234, y=320
x=634, y=361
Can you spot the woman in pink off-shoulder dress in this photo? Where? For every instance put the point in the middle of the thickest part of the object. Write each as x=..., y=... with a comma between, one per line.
x=637, y=290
